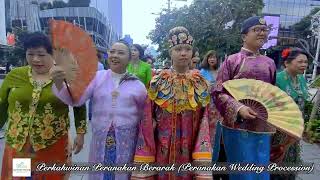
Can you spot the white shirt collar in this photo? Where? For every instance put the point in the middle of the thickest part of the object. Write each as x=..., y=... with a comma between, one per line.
x=114, y=74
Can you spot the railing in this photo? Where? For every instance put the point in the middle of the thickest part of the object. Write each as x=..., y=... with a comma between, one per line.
x=75, y=12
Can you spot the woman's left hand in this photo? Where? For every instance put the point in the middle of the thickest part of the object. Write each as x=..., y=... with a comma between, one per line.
x=78, y=143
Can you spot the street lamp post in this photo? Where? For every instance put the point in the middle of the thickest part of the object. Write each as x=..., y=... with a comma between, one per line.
x=315, y=65
x=315, y=27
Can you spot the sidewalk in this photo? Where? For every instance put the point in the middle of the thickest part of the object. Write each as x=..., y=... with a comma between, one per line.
x=310, y=153
x=83, y=156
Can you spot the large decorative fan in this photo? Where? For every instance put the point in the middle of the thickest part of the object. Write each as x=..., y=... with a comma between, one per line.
x=270, y=103
x=76, y=41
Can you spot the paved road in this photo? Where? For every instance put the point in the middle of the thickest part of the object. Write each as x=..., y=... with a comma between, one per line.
x=310, y=153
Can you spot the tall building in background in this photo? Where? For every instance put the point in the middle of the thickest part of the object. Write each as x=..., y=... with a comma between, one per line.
x=96, y=19
x=41, y=1
x=289, y=11
x=2, y=23
x=115, y=14
x=284, y=14
x=24, y=14
x=112, y=9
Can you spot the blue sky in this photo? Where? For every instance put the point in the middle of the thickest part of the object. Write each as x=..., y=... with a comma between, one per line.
x=138, y=19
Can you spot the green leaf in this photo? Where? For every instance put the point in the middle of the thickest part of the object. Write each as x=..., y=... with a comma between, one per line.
x=206, y=19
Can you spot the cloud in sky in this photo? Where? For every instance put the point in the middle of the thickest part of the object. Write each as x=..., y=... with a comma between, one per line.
x=138, y=19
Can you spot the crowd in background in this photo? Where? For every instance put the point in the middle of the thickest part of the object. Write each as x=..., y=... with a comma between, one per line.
x=180, y=114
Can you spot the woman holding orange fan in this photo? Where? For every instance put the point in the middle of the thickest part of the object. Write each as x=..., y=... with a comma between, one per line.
x=38, y=122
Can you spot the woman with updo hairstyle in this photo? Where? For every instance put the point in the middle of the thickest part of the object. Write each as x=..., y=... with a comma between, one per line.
x=286, y=149
x=118, y=99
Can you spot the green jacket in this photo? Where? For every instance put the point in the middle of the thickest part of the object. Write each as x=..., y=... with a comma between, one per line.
x=143, y=72
x=300, y=94
x=33, y=111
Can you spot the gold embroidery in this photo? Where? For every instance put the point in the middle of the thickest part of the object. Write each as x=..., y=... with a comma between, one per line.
x=82, y=128
x=189, y=90
x=44, y=129
x=47, y=133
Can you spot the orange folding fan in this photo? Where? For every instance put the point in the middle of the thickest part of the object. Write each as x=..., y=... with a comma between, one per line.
x=79, y=43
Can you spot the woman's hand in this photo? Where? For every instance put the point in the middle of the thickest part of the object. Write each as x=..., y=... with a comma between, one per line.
x=78, y=143
x=58, y=75
x=65, y=69
x=247, y=113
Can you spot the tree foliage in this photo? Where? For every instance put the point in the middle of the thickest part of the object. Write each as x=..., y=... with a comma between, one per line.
x=302, y=28
x=206, y=20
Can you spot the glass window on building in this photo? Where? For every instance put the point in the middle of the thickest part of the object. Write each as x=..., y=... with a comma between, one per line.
x=89, y=22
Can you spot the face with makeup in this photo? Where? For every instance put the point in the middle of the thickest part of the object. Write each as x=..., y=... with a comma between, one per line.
x=181, y=55
x=119, y=57
x=39, y=60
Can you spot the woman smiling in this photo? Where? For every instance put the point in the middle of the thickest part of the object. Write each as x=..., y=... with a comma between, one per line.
x=118, y=99
x=38, y=122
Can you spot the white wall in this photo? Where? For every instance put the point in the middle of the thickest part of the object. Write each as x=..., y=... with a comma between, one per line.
x=3, y=39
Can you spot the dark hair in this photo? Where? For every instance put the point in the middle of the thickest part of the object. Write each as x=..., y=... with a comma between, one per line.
x=122, y=41
x=205, y=64
x=140, y=49
x=290, y=54
x=148, y=57
x=167, y=62
x=36, y=40
x=194, y=50
x=99, y=56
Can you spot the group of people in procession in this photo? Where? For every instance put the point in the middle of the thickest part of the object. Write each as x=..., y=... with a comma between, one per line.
x=176, y=116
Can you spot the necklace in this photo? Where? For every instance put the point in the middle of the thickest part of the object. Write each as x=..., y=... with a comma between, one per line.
x=115, y=93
